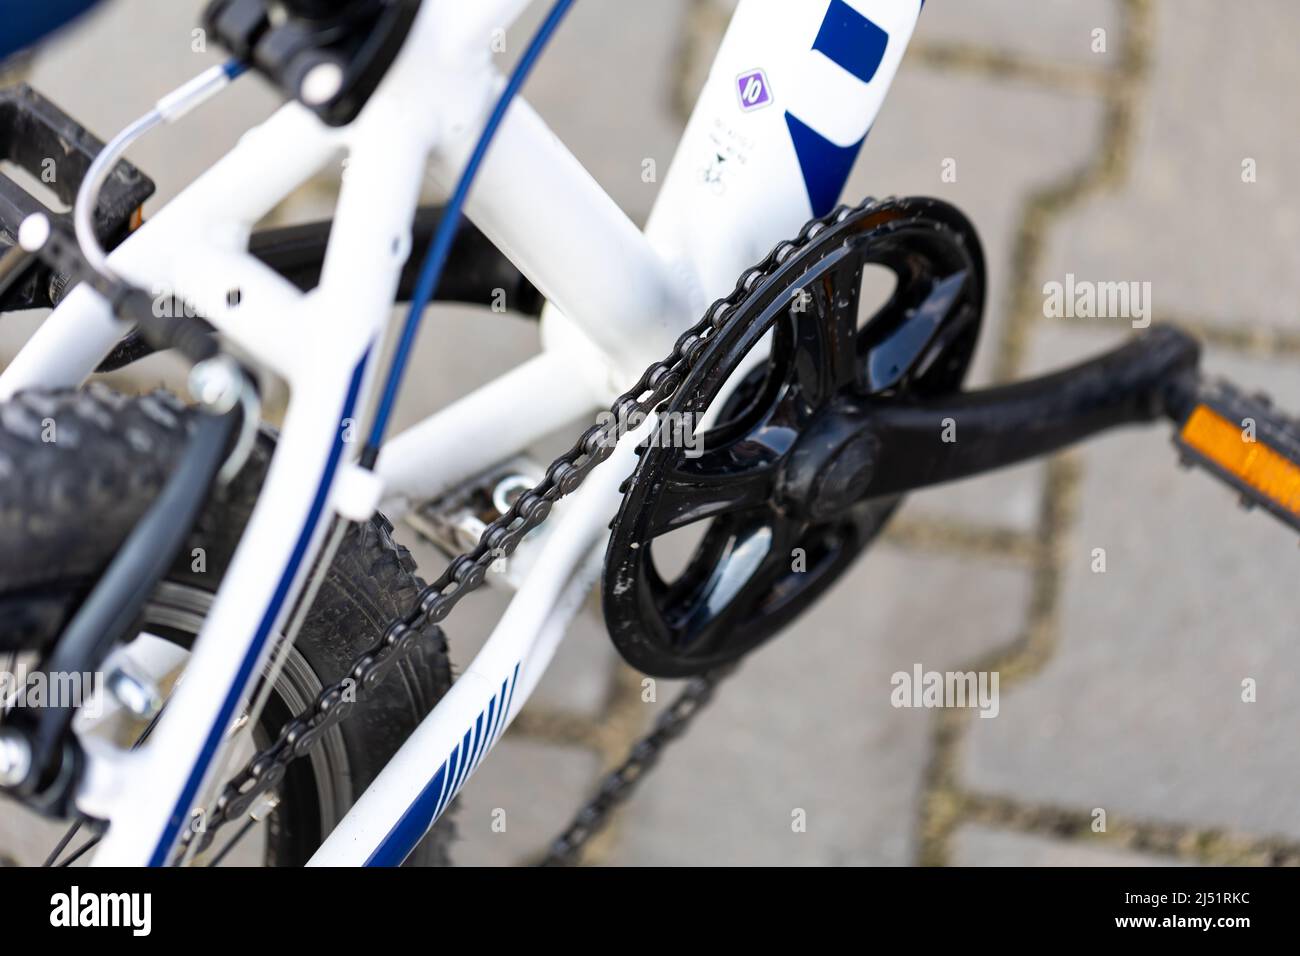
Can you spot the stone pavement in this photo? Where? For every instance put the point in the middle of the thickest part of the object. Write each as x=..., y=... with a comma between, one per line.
x=1109, y=139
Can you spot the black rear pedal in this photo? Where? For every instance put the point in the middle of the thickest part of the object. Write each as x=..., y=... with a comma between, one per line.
x=48, y=144
x=1246, y=443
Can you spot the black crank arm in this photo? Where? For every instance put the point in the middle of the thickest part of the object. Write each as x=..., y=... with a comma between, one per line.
x=969, y=433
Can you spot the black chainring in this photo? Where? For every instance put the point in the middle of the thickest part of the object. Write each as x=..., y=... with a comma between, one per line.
x=770, y=551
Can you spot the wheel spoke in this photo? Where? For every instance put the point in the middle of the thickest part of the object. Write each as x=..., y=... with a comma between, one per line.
x=239, y=835
x=82, y=850
x=53, y=858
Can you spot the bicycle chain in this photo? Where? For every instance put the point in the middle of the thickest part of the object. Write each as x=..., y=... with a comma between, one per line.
x=618, y=785
x=467, y=571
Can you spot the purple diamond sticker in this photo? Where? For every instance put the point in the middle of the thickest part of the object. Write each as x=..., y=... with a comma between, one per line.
x=753, y=89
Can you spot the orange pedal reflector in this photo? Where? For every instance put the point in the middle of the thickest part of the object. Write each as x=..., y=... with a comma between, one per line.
x=1273, y=478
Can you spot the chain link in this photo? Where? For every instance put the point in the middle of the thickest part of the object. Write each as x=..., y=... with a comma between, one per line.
x=657, y=385
x=619, y=784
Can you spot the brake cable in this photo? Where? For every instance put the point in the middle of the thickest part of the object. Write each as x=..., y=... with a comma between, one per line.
x=435, y=258
x=167, y=110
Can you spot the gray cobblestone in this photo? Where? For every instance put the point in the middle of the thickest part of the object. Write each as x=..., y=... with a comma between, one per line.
x=113, y=68
x=1213, y=247
x=1058, y=31
x=517, y=801
x=984, y=846
x=1140, y=709
x=807, y=724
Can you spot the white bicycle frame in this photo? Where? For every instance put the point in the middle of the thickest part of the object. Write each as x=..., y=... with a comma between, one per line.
x=762, y=152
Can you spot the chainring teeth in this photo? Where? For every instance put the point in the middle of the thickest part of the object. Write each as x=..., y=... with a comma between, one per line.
x=646, y=632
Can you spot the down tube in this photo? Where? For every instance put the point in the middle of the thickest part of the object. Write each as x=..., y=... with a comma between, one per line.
x=788, y=103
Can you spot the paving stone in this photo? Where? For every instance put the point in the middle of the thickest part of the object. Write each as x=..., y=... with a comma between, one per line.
x=531, y=787
x=1049, y=31
x=1140, y=709
x=1006, y=499
x=976, y=845
x=807, y=724
x=26, y=838
x=15, y=329
x=1212, y=246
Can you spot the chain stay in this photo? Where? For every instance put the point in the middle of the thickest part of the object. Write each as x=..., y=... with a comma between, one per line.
x=657, y=385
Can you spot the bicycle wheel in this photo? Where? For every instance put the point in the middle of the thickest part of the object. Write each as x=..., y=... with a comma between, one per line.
x=78, y=468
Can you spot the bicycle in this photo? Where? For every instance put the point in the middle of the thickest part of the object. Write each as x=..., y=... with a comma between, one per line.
x=320, y=642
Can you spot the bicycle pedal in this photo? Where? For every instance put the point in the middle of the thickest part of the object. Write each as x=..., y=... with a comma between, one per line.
x=1245, y=443
x=53, y=149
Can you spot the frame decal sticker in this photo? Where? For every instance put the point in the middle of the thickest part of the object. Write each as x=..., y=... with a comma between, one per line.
x=856, y=45
x=754, y=90
x=825, y=166
x=217, y=732
x=449, y=778
x=850, y=40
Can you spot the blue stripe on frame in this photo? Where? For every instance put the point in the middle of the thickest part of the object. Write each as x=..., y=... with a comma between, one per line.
x=825, y=166
x=478, y=740
x=488, y=726
x=180, y=812
x=446, y=782
x=510, y=699
x=459, y=780
x=851, y=41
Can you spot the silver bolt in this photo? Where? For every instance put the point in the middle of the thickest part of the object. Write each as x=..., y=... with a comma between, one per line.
x=508, y=490
x=468, y=529
x=264, y=806
x=15, y=758
x=34, y=232
x=138, y=696
x=217, y=383
x=321, y=83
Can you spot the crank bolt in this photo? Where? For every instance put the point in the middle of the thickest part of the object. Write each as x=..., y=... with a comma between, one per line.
x=138, y=696
x=15, y=758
